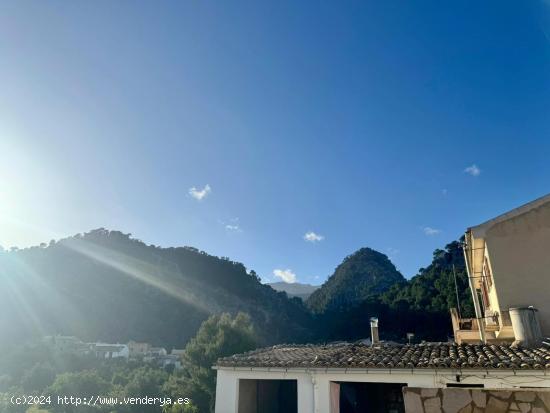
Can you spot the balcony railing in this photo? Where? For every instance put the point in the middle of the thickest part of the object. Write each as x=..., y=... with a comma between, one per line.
x=463, y=323
x=496, y=329
x=465, y=329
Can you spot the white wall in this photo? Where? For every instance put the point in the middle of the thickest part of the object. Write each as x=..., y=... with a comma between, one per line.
x=518, y=251
x=227, y=387
x=314, y=386
x=124, y=352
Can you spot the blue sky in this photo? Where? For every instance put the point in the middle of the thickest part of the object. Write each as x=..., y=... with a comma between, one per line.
x=353, y=120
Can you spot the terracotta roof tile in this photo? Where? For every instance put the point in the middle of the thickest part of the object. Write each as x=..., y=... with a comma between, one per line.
x=428, y=355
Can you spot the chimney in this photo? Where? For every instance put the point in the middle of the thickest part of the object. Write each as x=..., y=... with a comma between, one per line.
x=375, y=339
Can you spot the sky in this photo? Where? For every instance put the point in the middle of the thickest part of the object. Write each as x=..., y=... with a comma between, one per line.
x=283, y=134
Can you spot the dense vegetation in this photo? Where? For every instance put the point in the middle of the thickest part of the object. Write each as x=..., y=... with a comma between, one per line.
x=362, y=275
x=219, y=336
x=433, y=290
x=106, y=286
x=420, y=305
x=35, y=369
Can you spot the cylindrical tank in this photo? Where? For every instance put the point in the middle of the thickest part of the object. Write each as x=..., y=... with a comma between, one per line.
x=526, y=326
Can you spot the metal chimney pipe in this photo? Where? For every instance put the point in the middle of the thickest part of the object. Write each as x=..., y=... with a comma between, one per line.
x=375, y=339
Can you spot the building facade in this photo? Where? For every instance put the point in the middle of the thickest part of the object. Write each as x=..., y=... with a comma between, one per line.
x=138, y=349
x=350, y=378
x=508, y=263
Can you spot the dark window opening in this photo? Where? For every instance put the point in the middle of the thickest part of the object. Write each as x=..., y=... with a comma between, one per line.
x=465, y=385
x=355, y=397
x=268, y=396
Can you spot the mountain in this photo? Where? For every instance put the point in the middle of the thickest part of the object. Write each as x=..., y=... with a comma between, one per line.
x=433, y=289
x=364, y=274
x=299, y=290
x=419, y=305
x=107, y=286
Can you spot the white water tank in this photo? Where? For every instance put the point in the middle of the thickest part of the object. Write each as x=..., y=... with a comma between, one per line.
x=526, y=326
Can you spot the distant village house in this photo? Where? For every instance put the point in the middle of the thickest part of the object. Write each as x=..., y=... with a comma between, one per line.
x=133, y=350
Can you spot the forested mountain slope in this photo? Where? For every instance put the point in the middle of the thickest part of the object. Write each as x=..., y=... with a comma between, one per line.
x=362, y=275
x=419, y=305
x=105, y=285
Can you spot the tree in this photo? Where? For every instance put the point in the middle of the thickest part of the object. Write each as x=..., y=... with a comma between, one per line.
x=6, y=406
x=180, y=408
x=219, y=336
x=86, y=382
x=433, y=289
x=146, y=382
x=38, y=377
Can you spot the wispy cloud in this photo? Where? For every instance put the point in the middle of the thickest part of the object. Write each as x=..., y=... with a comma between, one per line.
x=313, y=237
x=200, y=194
x=233, y=228
x=444, y=191
x=286, y=275
x=473, y=170
x=431, y=231
x=232, y=225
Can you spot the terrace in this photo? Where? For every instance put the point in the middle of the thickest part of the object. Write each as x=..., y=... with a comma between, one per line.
x=496, y=329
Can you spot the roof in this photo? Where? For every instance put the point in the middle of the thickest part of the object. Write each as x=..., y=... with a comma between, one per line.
x=410, y=356
x=479, y=230
x=108, y=347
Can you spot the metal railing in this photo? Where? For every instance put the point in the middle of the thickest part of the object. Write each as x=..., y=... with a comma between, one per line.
x=463, y=323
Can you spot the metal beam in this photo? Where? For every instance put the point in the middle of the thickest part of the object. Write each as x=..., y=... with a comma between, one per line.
x=477, y=306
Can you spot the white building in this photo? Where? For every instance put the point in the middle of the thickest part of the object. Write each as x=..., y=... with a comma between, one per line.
x=177, y=352
x=66, y=344
x=350, y=377
x=170, y=360
x=507, y=261
x=138, y=349
x=109, y=351
x=155, y=353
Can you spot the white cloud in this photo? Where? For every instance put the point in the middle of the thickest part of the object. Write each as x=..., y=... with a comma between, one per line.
x=313, y=237
x=444, y=191
x=233, y=228
x=231, y=225
x=473, y=170
x=200, y=194
x=431, y=231
x=286, y=275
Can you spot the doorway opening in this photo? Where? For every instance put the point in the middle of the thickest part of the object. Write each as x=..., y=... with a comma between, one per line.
x=360, y=397
x=268, y=396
